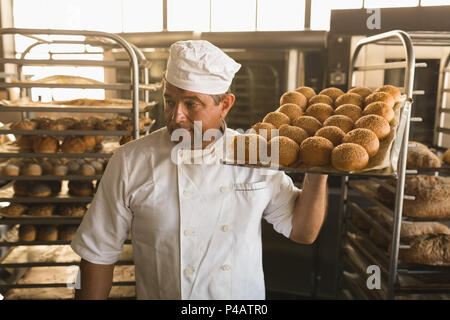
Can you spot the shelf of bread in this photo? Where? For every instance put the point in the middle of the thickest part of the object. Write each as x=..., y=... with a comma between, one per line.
x=82, y=105
x=423, y=159
x=353, y=133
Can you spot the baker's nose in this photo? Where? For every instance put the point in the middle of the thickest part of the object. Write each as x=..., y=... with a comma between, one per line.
x=179, y=113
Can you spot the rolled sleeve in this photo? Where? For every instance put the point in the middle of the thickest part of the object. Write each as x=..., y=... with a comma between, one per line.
x=105, y=226
x=280, y=209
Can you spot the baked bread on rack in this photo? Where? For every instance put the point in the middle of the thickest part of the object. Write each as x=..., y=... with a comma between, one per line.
x=428, y=249
x=420, y=156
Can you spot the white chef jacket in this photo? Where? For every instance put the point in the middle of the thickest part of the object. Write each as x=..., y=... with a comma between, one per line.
x=196, y=228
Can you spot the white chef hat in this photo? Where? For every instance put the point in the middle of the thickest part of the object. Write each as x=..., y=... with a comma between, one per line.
x=199, y=66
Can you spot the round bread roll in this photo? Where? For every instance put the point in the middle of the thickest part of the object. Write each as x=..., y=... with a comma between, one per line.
x=15, y=209
x=60, y=170
x=81, y=188
x=10, y=170
x=45, y=144
x=349, y=157
x=52, y=125
x=361, y=90
x=39, y=190
x=125, y=139
x=308, y=92
x=320, y=111
x=376, y=123
x=349, y=98
x=381, y=109
x=293, y=111
x=31, y=169
x=293, y=97
x=446, y=156
x=380, y=96
x=340, y=121
x=68, y=122
x=110, y=124
x=277, y=119
x=73, y=145
x=24, y=124
x=392, y=90
x=90, y=142
x=264, y=129
x=287, y=150
x=25, y=143
x=350, y=110
x=321, y=98
x=295, y=133
x=47, y=233
x=247, y=148
x=97, y=166
x=332, y=92
x=87, y=170
x=307, y=123
x=73, y=166
x=72, y=210
x=41, y=210
x=316, y=151
x=67, y=232
x=332, y=133
x=365, y=138
x=84, y=124
x=27, y=232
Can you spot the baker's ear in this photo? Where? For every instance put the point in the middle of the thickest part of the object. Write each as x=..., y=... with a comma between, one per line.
x=226, y=104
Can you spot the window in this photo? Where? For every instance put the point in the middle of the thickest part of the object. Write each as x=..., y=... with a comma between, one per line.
x=233, y=15
x=190, y=15
x=280, y=15
x=321, y=11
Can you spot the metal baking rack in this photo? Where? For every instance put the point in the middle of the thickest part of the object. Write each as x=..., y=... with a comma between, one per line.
x=139, y=87
x=358, y=250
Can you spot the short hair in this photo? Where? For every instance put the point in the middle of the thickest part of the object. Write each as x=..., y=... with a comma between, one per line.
x=218, y=98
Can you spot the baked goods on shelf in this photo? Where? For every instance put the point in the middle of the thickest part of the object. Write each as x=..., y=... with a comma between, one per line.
x=72, y=210
x=307, y=123
x=380, y=108
x=419, y=156
x=73, y=145
x=41, y=210
x=264, y=129
x=376, y=123
x=321, y=98
x=308, y=92
x=349, y=157
x=14, y=209
x=27, y=232
x=10, y=170
x=81, y=188
x=295, y=133
x=31, y=169
x=125, y=139
x=47, y=233
x=320, y=111
x=392, y=90
x=361, y=90
x=349, y=98
x=446, y=156
x=287, y=150
x=380, y=96
x=277, y=119
x=349, y=110
x=332, y=133
x=24, y=125
x=365, y=138
x=316, y=151
x=295, y=98
x=428, y=249
x=340, y=121
x=67, y=232
x=292, y=110
x=332, y=92
x=45, y=144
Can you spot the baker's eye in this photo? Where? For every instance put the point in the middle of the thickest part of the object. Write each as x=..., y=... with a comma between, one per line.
x=191, y=105
x=169, y=103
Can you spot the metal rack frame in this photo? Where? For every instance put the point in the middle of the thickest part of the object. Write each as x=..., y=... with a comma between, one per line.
x=365, y=188
x=137, y=63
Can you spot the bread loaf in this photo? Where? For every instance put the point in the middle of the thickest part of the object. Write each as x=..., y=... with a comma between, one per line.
x=428, y=249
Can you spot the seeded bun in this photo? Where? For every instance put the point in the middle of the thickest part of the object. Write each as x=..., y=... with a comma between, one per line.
x=446, y=156
x=31, y=169
x=41, y=210
x=10, y=170
x=392, y=90
x=376, y=123
x=349, y=98
x=47, y=233
x=27, y=232
x=295, y=133
x=307, y=123
x=292, y=110
x=251, y=144
x=332, y=133
x=365, y=138
x=380, y=96
x=316, y=151
x=268, y=127
x=293, y=97
x=362, y=91
x=308, y=92
x=349, y=157
x=381, y=109
x=320, y=111
x=321, y=98
x=332, y=92
x=340, y=121
x=288, y=150
x=277, y=119
x=73, y=145
x=350, y=110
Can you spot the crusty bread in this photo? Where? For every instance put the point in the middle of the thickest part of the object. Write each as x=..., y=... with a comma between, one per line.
x=332, y=133
x=277, y=119
x=420, y=157
x=392, y=90
x=308, y=92
x=365, y=138
x=349, y=157
x=361, y=90
x=428, y=249
x=380, y=96
x=340, y=121
x=292, y=110
x=316, y=151
x=376, y=123
x=380, y=108
x=349, y=98
x=294, y=97
x=320, y=111
x=321, y=98
x=332, y=92
x=307, y=123
x=349, y=110
x=295, y=133
x=287, y=150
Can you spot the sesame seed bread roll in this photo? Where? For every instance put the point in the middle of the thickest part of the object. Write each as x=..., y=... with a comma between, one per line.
x=277, y=119
x=308, y=92
x=332, y=92
x=380, y=96
x=292, y=110
x=349, y=98
x=332, y=133
x=361, y=90
x=295, y=133
x=392, y=90
x=295, y=98
x=349, y=157
x=307, y=123
x=365, y=138
x=349, y=110
x=340, y=121
x=268, y=127
x=320, y=111
x=316, y=151
x=381, y=109
x=376, y=123
x=321, y=98
x=288, y=150
x=251, y=144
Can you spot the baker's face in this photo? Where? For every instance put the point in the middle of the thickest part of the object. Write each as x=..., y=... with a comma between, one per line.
x=183, y=107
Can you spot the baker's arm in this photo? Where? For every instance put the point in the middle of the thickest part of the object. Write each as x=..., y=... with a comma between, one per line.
x=309, y=210
x=96, y=281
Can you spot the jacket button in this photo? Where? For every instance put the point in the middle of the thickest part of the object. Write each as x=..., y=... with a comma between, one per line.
x=225, y=267
x=187, y=193
x=224, y=189
x=226, y=228
x=188, y=271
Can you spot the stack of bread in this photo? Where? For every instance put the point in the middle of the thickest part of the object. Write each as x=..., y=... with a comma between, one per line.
x=44, y=210
x=330, y=128
x=28, y=232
